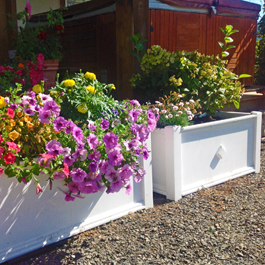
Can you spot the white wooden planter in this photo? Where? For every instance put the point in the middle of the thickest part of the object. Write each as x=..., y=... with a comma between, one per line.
x=29, y=221
x=189, y=158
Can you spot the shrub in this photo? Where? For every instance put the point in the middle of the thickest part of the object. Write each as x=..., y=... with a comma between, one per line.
x=202, y=78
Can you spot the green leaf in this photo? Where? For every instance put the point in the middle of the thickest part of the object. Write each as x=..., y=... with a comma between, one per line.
x=236, y=104
x=230, y=47
x=232, y=32
x=244, y=76
x=228, y=40
x=139, y=47
x=26, y=148
x=221, y=44
x=225, y=54
x=228, y=28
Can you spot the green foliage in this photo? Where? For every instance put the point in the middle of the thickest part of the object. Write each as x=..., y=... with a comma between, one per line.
x=137, y=41
x=82, y=98
x=203, y=78
x=228, y=30
x=42, y=38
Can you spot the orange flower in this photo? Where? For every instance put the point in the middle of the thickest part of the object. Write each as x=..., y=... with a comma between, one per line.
x=8, y=128
x=13, y=135
x=2, y=125
x=12, y=123
x=29, y=125
x=21, y=65
x=19, y=114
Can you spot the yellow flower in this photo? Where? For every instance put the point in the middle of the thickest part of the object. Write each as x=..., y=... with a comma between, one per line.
x=37, y=89
x=91, y=89
x=21, y=123
x=8, y=128
x=2, y=102
x=82, y=108
x=90, y=76
x=13, y=135
x=12, y=123
x=112, y=87
x=2, y=125
x=69, y=82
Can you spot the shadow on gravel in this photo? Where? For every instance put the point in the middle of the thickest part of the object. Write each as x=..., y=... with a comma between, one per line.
x=160, y=199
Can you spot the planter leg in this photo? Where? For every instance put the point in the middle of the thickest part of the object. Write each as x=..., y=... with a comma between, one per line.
x=173, y=162
x=148, y=180
x=257, y=145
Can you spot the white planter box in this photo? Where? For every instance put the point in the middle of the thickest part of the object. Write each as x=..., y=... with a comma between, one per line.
x=29, y=221
x=202, y=155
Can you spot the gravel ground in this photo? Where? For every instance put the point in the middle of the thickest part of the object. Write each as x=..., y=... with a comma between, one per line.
x=224, y=224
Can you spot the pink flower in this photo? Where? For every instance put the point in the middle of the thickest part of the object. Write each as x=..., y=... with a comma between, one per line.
x=68, y=197
x=38, y=188
x=28, y=8
x=1, y=171
x=13, y=146
x=9, y=158
x=66, y=170
x=1, y=139
x=11, y=113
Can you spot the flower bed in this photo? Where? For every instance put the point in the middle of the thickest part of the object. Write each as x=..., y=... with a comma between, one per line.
x=186, y=159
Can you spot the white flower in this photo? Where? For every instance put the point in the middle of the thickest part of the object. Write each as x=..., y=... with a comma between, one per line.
x=189, y=112
x=157, y=102
x=166, y=117
x=192, y=101
x=175, y=108
x=170, y=115
x=164, y=111
x=190, y=118
x=177, y=115
x=180, y=96
x=180, y=112
x=181, y=103
x=187, y=103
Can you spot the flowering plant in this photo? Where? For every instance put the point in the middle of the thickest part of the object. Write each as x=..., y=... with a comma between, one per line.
x=28, y=75
x=89, y=98
x=43, y=38
x=103, y=154
x=173, y=110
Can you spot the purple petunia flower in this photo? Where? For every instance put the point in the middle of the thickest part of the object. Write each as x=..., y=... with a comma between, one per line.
x=115, y=186
x=110, y=139
x=112, y=174
x=91, y=126
x=44, y=116
x=28, y=111
x=35, y=108
x=69, y=198
x=73, y=187
x=32, y=94
x=92, y=141
x=89, y=187
x=69, y=127
x=133, y=115
x=94, y=156
x=135, y=102
x=59, y=123
x=128, y=189
x=93, y=166
x=78, y=175
x=58, y=175
x=45, y=97
x=151, y=124
x=77, y=134
x=13, y=106
x=68, y=160
x=125, y=172
x=52, y=106
x=54, y=148
x=139, y=175
x=142, y=132
x=80, y=153
x=104, y=124
x=115, y=157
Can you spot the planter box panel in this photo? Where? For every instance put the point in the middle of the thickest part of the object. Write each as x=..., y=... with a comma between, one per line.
x=206, y=154
x=234, y=140
x=29, y=221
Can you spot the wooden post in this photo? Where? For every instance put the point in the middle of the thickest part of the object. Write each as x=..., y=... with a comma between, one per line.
x=131, y=18
x=6, y=33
